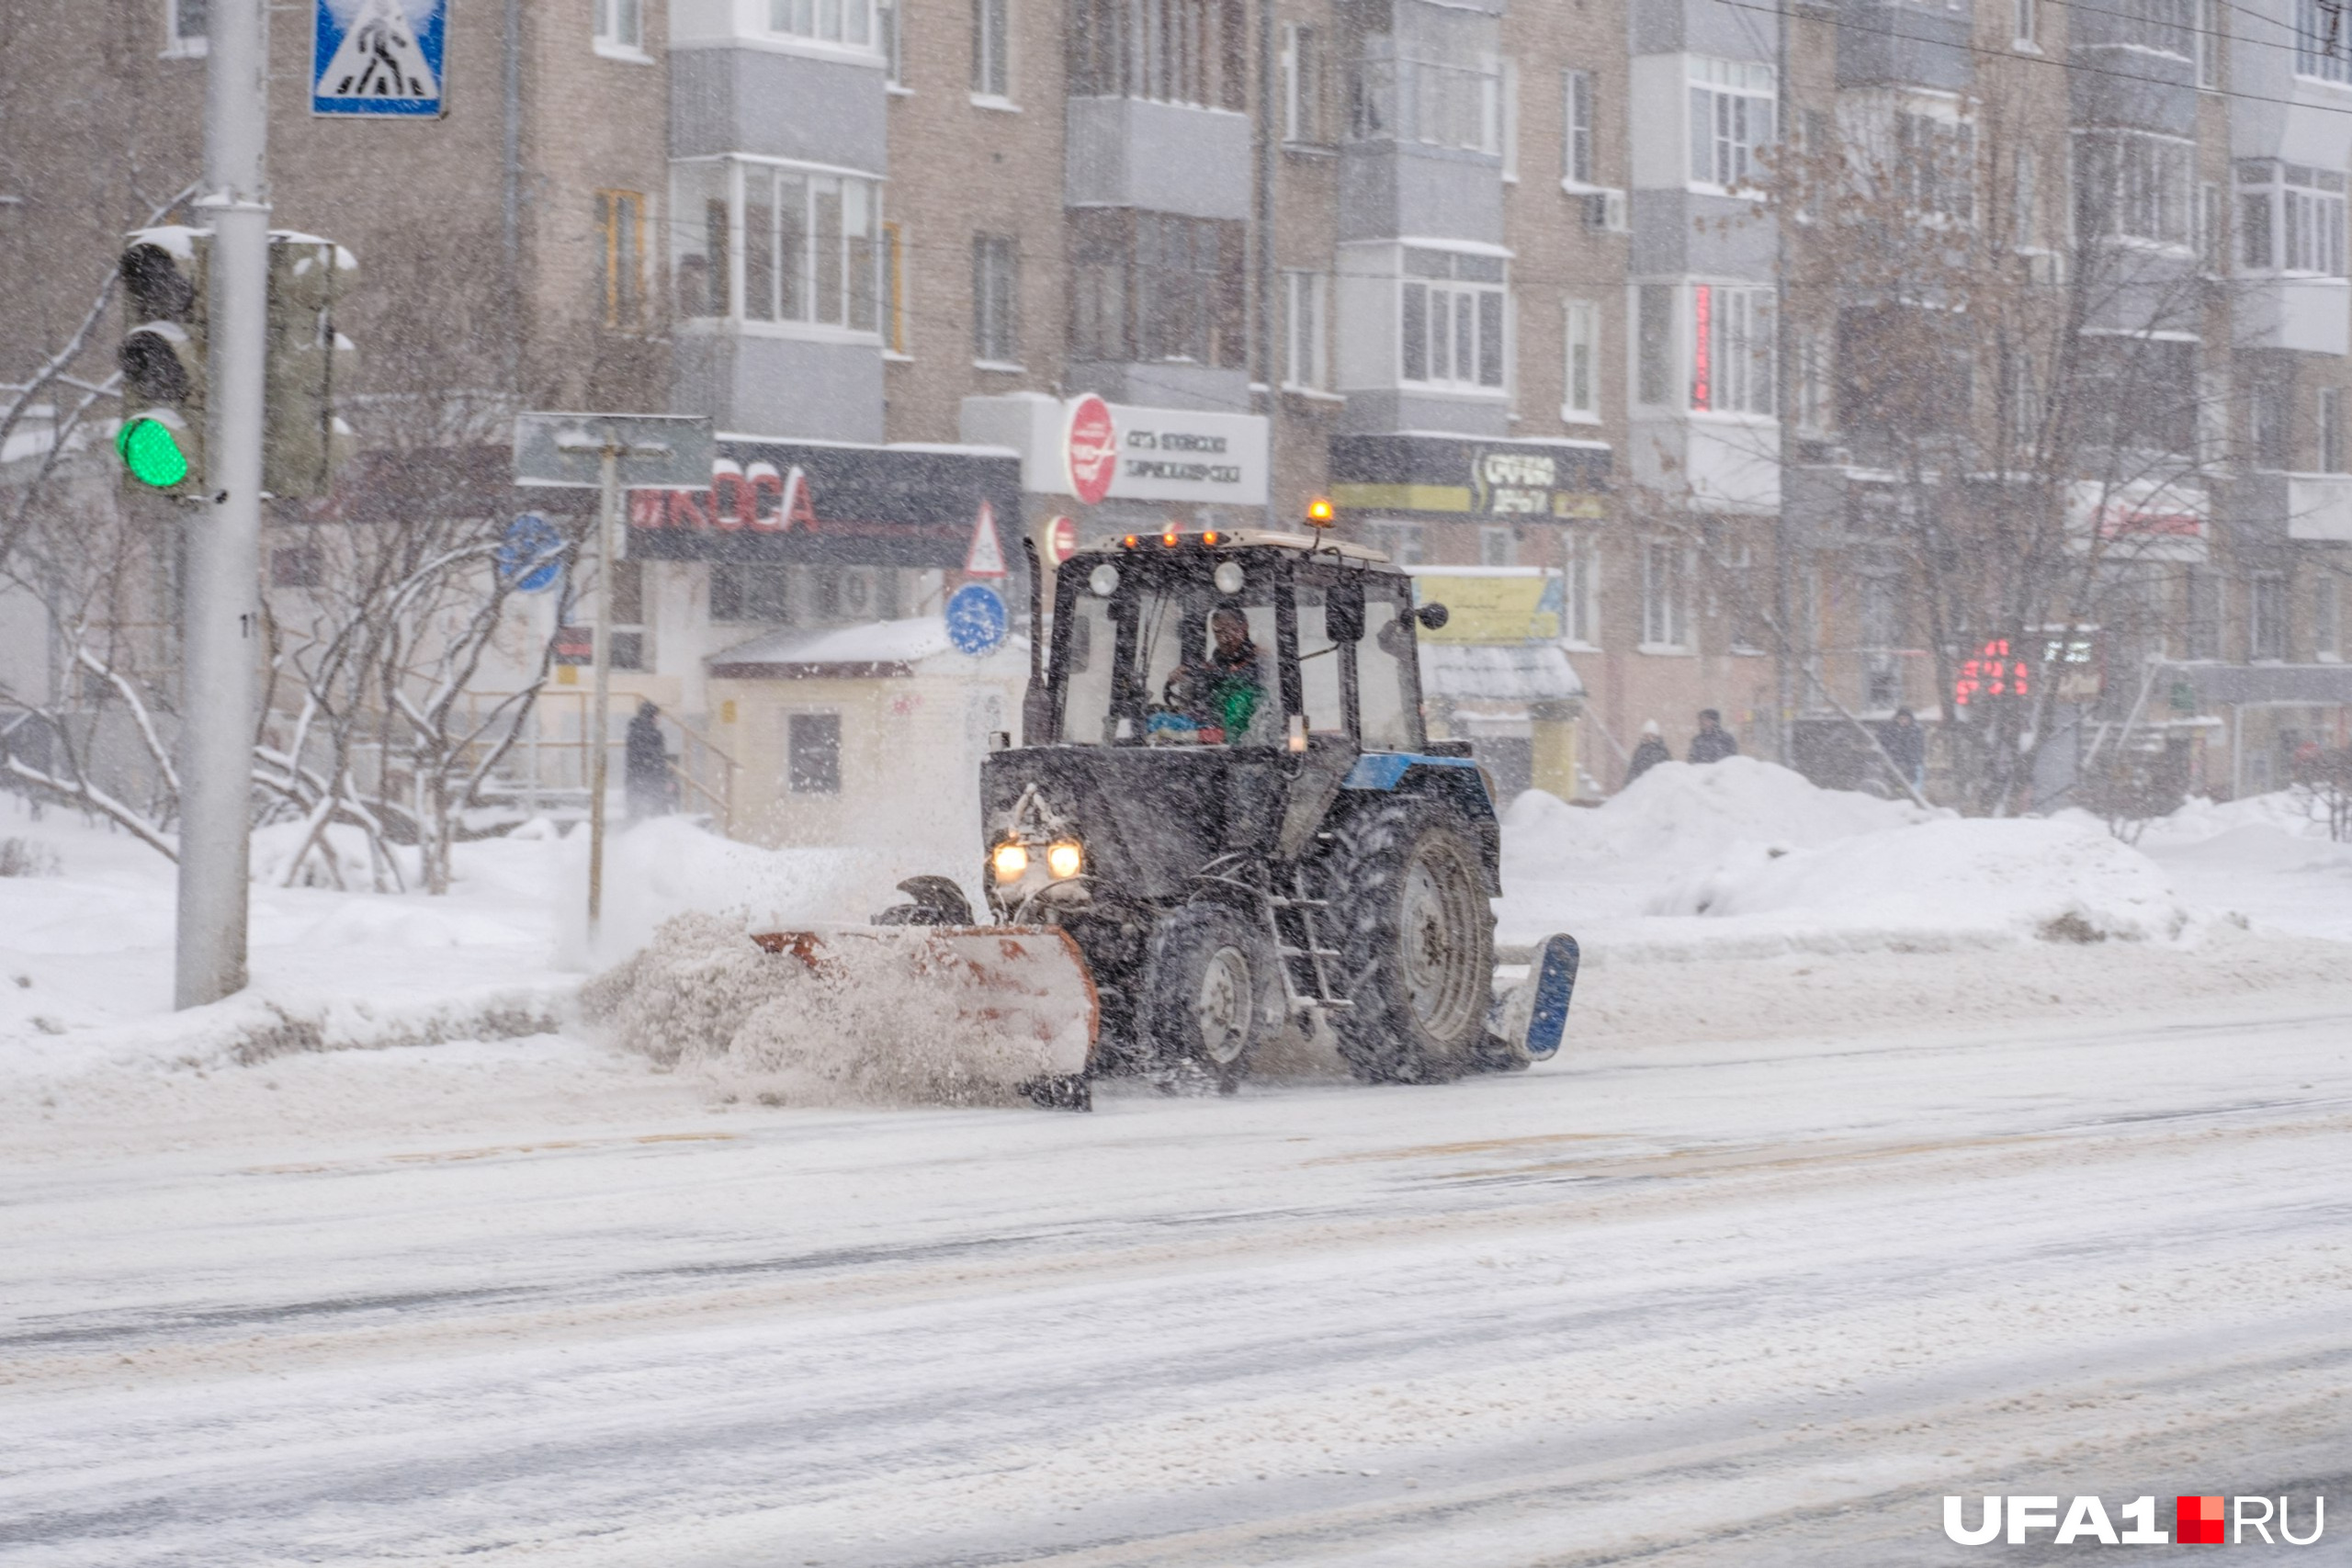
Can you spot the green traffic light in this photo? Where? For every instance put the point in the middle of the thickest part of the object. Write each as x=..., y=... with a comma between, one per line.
x=151, y=453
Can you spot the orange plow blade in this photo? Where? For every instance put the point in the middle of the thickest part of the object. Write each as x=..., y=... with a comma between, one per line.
x=989, y=1007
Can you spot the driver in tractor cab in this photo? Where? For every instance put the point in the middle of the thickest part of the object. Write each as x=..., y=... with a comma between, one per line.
x=1219, y=696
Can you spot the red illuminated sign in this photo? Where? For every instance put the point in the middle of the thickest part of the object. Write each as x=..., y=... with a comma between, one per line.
x=1091, y=450
x=1992, y=672
x=1702, y=312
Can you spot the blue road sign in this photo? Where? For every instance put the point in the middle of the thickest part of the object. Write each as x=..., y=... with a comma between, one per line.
x=530, y=558
x=976, y=619
x=378, y=57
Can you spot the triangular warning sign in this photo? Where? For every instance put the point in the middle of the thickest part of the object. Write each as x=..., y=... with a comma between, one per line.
x=379, y=58
x=986, y=558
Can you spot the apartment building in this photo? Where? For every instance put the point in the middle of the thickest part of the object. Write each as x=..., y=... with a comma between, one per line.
x=1580, y=311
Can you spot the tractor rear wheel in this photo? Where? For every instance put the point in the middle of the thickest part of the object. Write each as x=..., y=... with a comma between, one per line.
x=1210, y=991
x=1407, y=888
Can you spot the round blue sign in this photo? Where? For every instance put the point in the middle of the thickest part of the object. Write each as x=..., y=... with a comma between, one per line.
x=976, y=619
x=530, y=558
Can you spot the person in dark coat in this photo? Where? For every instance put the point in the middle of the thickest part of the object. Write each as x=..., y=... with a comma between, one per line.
x=1649, y=753
x=1714, y=742
x=1906, y=746
x=648, y=768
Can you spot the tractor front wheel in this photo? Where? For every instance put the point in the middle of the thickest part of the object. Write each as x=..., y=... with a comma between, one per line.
x=1210, y=991
x=1408, y=903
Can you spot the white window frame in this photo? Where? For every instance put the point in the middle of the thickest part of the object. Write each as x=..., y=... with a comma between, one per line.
x=985, y=246
x=1451, y=298
x=992, y=53
x=184, y=46
x=1734, y=110
x=742, y=170
x=2212, y=27
x=1580, y=589
x=1580, y=340
x=1306, y=330
x=889, y=37
x=841, y=751
x=2327, y=618
x=2154, y=178
x=1302, y=85
x=1507, y=109
x=2332, y=65
x=1497, y=545
x=2295, y=215
x=1728, y=366
x=1580, y=165
x=620, y=30
x=1666, y=597
x=2267, y=598
x=2024, y=24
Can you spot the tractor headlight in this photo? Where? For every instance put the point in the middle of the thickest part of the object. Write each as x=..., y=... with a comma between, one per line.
x=1064, y=859
x=1009, y=860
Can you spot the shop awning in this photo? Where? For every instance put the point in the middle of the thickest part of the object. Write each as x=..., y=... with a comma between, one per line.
x=869, y=649
x=1486, y=672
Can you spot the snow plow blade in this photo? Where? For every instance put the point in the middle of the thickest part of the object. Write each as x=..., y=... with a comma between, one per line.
x=1003, y=1008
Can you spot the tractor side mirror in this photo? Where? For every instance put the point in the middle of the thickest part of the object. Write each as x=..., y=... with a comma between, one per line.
x=1431, y=616
x=1343, y=613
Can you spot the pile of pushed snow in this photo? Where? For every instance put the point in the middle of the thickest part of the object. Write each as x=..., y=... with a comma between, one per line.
x=2053, y=880
x=859, y=1025
x=1685, y=812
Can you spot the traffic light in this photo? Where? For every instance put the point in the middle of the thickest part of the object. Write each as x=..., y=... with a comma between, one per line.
x=310, y=363
x=163, y=359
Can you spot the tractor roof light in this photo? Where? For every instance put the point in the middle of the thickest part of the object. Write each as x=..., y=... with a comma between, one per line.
x=1167, y=540
x=1319, y=512
x=1010, y=861
x=1065, y=859
x=1131, y=542
x=1211, y=538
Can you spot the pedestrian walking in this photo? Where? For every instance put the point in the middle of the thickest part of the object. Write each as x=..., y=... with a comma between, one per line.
x=1649, y=753
x=1906, y=747
x=1714, y=742
x=647, y=767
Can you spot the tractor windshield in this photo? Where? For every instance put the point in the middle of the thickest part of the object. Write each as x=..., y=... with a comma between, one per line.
x=1172, y=663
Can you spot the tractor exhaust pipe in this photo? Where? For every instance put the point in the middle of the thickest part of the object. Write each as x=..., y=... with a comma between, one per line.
x=1035, y=717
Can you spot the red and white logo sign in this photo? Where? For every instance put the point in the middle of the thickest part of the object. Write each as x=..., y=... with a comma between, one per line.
x=986, y=558
x=1091, y=448
x=1061, y=538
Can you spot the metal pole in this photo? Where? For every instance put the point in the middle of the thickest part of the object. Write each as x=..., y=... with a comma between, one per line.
x=220, y=608
x=607, y=508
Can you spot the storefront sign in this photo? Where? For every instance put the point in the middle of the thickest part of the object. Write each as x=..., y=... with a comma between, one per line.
x=840, y=505
x=1506, y=607
x=1524, y=479
x=1100, y=451
x=2142, y=520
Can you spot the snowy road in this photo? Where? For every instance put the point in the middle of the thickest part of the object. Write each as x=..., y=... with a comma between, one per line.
x=1708, y=1304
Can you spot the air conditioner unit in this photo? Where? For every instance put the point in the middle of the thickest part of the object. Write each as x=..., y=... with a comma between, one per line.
x=1606, y=210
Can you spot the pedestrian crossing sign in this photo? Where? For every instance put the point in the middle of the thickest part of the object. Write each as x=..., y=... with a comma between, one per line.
x=378, y=57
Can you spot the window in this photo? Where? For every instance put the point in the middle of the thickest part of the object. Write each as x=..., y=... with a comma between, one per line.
x=894, y=290
x=2024, y=22
x=1400, y=542
x=1936, y=165
x=2331, y=429
x=1302, y=66
x=1666, y=614
x=2290, y=218
x=2327, y=624
x=1810, y=390
x=1580, y=590
x=1654, y=330
x=297, y=566
x=1153, y=286
x=1576, y=118
x=996, y=304
x=2265, y=615
x=2320, y=46
x=1440, y=102
x=1499, y=546
x=1452, y=320
x=2266, y=413
x=621, y=223
x=2165, y=27
x=887, y=32
x=2202, y=590
x=1580, y=372
x=1730, y=120
x=1176, y=51
x=1306, y=352
x=628, y=642
x=2209, y=24
x=186, y=24
x=2130, y=186
x=761, y=594
x=992, y=49
x=620, y=26
x=810, y=244
x=1731, y=349
x=1509, y=113
x=2025, y=200
x=813, y=752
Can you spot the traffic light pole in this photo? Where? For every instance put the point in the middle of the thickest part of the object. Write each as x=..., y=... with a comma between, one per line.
x=220, y=603
x=608, y=507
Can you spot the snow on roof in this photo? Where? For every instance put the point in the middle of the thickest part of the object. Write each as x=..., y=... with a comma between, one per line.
x=872, y=648
x=1536, y=673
